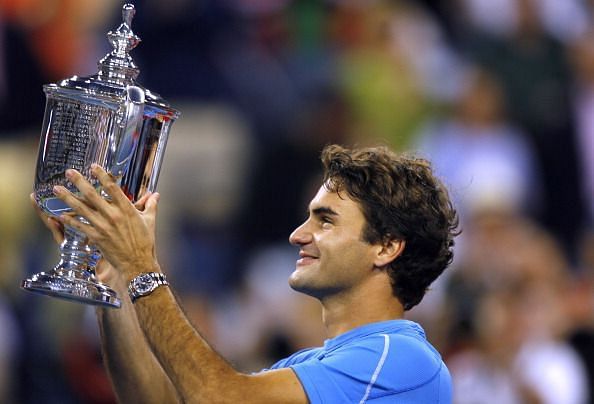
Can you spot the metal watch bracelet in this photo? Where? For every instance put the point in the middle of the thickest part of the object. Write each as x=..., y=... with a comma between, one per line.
x=145, y=284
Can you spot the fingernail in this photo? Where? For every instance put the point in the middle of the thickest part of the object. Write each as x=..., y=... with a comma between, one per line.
x=57, y=189
x=69, y=173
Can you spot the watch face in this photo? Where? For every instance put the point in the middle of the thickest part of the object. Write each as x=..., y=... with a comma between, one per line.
x=143, y=283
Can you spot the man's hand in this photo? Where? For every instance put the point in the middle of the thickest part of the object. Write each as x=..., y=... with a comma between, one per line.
x=105, y=271
x=53, y=224
x=124, y=234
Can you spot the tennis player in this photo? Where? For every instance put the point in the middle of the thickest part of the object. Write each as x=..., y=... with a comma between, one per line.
x=379, y=231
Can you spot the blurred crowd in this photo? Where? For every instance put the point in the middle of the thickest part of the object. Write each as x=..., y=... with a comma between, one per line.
x=498, y=94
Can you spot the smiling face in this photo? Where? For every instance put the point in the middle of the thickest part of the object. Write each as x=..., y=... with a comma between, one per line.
x=333, y=258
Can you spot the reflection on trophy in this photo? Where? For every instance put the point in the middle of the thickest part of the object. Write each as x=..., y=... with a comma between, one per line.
x=110, y=120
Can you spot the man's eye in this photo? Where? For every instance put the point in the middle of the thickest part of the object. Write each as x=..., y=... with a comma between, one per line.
x=325, y=220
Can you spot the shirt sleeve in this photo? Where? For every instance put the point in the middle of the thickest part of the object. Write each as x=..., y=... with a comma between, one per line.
x=376, y=367
x=345, y=374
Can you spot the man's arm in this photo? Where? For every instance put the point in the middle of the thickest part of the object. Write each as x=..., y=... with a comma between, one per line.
x=197, y=371
x=126, y=238
x=135, y=373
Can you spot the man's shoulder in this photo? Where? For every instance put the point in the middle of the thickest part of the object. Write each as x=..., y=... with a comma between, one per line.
x=298, y=357
x=379, y=361
x=402, y=345
x=402, y=349
x=408, y=352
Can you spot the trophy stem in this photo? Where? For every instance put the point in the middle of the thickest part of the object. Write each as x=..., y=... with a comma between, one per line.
x=74, y=276
x=76, y=260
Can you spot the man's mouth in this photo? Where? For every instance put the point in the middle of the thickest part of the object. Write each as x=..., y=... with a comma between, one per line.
x=305, y=258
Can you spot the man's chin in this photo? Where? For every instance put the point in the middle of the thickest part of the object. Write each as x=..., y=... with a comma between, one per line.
x=294, y=279
x=297, y=280
x=300, y=282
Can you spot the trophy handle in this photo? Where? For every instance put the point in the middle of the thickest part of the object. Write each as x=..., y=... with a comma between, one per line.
x=130, y=135
x=74, y=276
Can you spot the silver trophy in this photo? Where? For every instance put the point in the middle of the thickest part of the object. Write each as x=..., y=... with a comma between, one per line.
x=106, y=119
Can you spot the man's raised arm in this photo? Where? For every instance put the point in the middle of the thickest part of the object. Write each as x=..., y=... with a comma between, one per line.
x=126, y=238
x=135, y=373
x=197, y=371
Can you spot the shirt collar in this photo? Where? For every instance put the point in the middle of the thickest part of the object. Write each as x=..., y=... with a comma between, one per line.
x=389, y=326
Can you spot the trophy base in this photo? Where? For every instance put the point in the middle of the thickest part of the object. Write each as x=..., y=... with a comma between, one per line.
x=78, y=290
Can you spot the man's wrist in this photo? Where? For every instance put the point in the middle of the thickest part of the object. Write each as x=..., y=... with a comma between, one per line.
x=146, y=283
x=130, y=271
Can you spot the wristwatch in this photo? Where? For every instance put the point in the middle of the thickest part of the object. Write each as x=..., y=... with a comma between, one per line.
x=145, y=284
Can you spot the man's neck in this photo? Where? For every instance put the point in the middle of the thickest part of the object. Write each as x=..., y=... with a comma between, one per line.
x=370, y=303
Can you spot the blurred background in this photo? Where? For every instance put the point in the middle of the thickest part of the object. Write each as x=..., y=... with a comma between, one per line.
x=499, y=94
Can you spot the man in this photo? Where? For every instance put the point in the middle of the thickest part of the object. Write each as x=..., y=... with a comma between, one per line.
x=379, y=231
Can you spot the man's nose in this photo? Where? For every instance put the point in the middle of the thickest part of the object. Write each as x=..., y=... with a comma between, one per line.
x=300, y=235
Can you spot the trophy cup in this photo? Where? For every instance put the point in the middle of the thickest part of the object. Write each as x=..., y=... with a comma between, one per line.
x=106, y=119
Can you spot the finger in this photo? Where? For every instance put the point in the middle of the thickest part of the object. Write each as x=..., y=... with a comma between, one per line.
x=109, y=186
x=37, y=208
x=75, y=223
x=55, y=227
x=140, y=204
x=106, y=273
x=150, y=211
x=79, y=206
x=153, y=203
x=87, y=190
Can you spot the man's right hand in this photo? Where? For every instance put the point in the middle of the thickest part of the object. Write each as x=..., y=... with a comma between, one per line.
x=105, y=272
x=53, y=224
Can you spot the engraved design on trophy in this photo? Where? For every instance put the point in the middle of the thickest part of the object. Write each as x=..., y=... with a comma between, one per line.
x=110, y=120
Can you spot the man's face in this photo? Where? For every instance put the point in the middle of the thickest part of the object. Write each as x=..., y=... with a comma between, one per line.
x=333, y=258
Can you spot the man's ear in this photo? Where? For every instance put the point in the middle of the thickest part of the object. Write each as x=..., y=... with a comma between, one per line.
x=388, y=252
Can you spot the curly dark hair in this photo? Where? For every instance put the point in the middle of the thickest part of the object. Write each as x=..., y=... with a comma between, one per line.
x=400, y=199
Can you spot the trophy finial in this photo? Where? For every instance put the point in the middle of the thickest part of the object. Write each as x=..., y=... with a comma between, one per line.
x=118, y=65
x=128, y=12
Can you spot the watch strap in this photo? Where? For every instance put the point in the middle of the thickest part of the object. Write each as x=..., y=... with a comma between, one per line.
x=146, y=283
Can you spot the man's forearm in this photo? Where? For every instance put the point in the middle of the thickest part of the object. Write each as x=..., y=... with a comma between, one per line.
x=200, y=374
x=136, y=375
x=194, y=368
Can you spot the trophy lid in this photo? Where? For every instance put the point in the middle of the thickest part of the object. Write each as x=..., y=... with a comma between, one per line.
x=118, y=65
x=116, y=71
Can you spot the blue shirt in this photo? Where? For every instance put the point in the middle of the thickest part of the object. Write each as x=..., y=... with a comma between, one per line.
x=385, y=362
